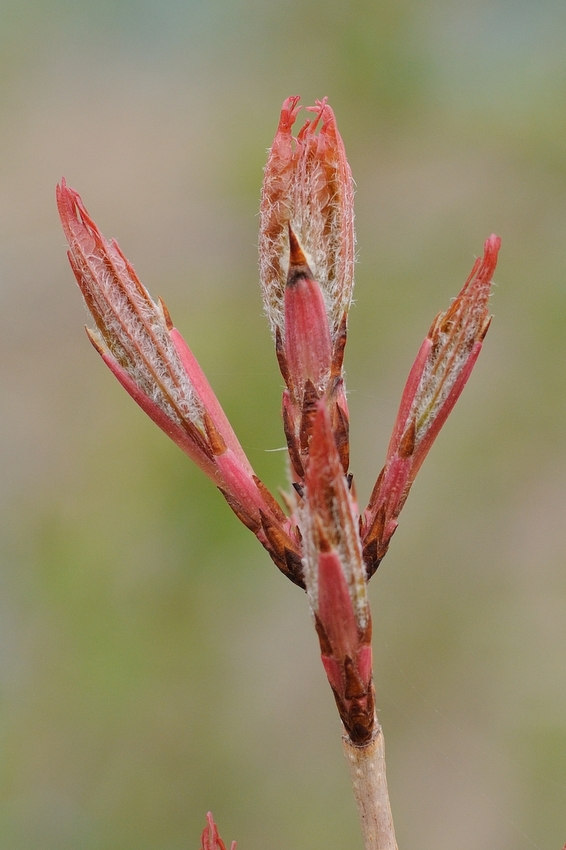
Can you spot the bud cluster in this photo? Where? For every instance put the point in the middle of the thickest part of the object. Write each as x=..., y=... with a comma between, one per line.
x=306, y=248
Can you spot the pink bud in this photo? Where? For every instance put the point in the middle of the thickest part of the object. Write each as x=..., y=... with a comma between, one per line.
x=210, y=838
x=438, y=376
x=306, y=249
x=132, y=332
x=308, y=186
x=136, y=339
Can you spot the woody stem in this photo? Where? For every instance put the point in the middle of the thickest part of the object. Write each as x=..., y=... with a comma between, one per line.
x=367, y=771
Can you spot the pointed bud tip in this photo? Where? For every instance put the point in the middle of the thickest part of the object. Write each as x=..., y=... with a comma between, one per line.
x=95, y=340
x=65, y=195
x=289, y=111
x=210, y=838
x=215, y=439
x=61, y=188
x=166, y=314
x=296, y=255
x=490, y=252
x=298, y=265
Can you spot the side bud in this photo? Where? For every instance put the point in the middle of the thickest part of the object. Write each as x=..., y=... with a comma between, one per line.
x=438, y=376
x=138, y=342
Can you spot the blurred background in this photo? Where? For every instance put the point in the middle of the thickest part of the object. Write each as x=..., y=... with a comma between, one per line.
x=153, y=662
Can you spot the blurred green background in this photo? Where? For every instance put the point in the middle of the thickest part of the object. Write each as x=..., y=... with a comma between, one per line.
x=153, y=663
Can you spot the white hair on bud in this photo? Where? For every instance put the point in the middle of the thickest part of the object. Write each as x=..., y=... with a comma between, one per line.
x=308, y=184
x=133, y=329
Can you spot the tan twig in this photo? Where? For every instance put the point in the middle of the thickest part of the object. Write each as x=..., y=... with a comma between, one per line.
x=367, y=771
